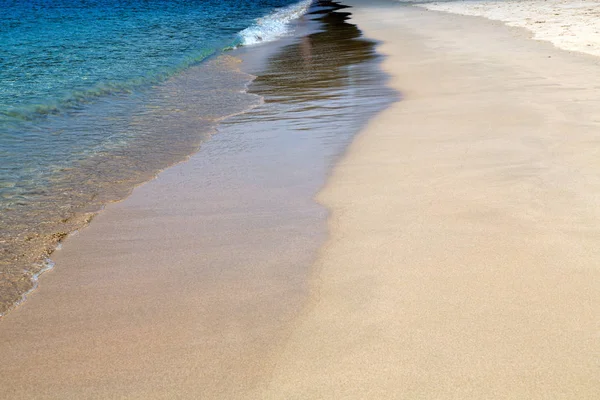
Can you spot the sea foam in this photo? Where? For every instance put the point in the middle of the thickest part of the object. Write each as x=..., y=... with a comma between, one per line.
x=273, y=26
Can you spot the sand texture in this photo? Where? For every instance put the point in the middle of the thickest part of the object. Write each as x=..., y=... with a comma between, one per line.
x=463, y=258
x=569, y=25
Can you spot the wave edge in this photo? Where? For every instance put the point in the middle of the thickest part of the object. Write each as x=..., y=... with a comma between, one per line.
x=275, y=25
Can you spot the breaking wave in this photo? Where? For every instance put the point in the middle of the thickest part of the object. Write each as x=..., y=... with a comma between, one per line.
x=274, y=25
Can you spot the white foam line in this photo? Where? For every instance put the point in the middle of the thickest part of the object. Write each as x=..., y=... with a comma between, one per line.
x=274, y=25
x=47, y=265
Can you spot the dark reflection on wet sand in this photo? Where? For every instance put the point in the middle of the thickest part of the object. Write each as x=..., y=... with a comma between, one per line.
x=330, y=73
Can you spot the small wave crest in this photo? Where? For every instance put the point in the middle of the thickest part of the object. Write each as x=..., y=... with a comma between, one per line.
x=274, y=25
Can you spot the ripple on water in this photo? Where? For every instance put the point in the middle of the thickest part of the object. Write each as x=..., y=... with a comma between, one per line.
x=148, y=133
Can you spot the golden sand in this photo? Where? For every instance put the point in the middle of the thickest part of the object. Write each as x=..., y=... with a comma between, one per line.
x=463, y=261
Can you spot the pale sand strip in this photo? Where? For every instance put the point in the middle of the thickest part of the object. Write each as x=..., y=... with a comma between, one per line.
x=569, y=25
x=463, y=261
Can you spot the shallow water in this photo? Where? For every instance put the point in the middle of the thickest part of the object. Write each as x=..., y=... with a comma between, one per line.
x=98, y=96
x=67, y=52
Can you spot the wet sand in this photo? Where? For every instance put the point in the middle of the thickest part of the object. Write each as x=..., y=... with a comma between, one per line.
x=463, y=258
x=188, y=287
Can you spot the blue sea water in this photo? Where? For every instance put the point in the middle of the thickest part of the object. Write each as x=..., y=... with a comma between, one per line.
x=59, y=53
x=96, y=95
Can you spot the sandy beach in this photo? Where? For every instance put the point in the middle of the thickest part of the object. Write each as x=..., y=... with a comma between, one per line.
x=462, y=261
x=451, y=253
x=188, y=287
x=569, y=25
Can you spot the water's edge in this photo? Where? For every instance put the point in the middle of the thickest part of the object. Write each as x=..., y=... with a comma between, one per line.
x=175, y=104
x=256, y=84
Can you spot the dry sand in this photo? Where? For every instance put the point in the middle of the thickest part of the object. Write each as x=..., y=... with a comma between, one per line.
x=463, y=261
x=569, y=25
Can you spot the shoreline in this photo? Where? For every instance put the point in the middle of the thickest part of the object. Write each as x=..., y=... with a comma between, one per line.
x=28, y=246
x=460, y=258
x=182, y=289
x=39, y=211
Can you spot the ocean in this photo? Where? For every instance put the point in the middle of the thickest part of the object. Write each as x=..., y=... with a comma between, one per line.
x=96, y=97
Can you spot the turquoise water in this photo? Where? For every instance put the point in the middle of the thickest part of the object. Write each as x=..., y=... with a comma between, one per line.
x=97, y=96
x=61, y=53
